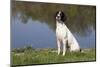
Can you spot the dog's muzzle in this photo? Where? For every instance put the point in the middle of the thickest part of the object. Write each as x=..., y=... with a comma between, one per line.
x=58, y=18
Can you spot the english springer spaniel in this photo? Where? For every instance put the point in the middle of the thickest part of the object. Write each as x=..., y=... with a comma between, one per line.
x=64, y=36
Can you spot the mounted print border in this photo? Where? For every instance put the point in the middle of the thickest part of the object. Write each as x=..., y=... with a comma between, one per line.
x=34, y=38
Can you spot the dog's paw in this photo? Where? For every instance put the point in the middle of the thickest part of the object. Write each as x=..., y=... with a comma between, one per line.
x=63, y=54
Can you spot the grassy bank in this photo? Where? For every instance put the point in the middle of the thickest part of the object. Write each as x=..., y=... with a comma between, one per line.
x=45, y=56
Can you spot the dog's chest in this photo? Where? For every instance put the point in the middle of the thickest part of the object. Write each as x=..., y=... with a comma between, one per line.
x=61, y=30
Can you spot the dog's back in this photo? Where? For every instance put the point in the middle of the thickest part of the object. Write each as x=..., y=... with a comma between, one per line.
x=72, y=42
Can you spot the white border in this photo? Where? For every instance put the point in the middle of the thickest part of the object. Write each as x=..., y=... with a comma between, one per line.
x=82, y=2
x=5, y=32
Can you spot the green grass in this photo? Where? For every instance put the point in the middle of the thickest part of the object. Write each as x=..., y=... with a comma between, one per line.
x=46, y=56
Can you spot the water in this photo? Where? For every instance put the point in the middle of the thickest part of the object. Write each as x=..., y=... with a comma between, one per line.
x=34, y=33
x=39, y=31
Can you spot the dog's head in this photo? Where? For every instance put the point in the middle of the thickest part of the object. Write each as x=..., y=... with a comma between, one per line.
x=60, y=16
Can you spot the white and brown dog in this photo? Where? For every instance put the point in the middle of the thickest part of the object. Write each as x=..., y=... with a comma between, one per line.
x=64, y=36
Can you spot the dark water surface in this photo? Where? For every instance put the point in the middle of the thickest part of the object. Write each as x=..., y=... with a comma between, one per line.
x=33, y=24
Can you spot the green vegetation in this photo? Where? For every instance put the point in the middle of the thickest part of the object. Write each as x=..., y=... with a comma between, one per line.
x=49, y=55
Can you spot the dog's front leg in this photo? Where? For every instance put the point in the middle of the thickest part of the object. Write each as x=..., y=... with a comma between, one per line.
x=64, y=47
x=58, y=44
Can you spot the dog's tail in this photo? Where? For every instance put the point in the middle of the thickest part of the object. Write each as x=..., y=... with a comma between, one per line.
x=82, y=51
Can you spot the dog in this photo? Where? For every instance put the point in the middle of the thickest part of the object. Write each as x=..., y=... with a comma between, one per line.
x=64, y=36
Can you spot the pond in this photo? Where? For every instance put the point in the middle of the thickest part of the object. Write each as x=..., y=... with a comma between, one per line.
x=33, y=24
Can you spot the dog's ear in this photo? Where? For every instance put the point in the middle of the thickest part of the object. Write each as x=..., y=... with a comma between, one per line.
x=64, y=17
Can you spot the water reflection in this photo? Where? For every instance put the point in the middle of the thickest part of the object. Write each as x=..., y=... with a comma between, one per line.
x=34, y=24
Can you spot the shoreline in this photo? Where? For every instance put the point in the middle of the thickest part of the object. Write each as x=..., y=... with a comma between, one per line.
x=49, y=55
